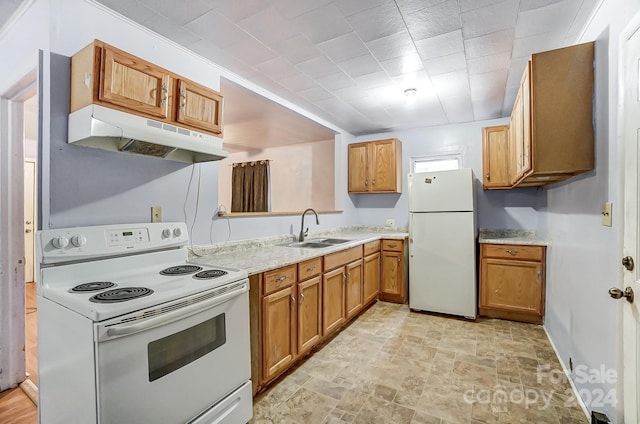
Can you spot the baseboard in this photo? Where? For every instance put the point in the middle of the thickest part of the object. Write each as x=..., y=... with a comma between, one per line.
x=568, y=374
x=31, y=390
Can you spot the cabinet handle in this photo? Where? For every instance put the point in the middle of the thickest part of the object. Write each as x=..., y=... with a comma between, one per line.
x=366, y=182
x=349, y=275
x=539, y=274
x=279, y=280
x=293, y=301
x=165, y=92
x=311, y=268
x=301, y=298
x=488, y=177
x=344, y=278
x=374, y=181
x=398, y=260
x=183, y=102
x=392, y=245
x=513, y=252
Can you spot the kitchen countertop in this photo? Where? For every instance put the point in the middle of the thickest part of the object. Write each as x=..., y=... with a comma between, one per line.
x=256, y=256
x=508, y=236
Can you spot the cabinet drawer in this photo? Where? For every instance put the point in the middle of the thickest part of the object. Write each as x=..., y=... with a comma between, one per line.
x=279, y=279
x=310, y=268
x=393, y=245
x=371, y=247
x=343, y=257
x=513, y=251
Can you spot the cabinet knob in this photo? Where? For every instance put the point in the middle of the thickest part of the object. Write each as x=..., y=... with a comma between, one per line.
x=512, y=251
x=293, y=301
x=301, y=298
x=374, y=182
x=183, y=101
x=539, y=274
x=398, y=260
x=165, y=93
x=366, y=182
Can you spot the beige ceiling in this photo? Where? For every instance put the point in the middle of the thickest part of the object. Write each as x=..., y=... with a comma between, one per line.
x=349, y=61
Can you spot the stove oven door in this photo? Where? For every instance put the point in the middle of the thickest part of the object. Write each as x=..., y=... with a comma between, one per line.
x=171, y=363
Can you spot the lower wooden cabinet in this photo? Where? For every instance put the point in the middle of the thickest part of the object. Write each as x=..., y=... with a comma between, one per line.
x=353, y=288
x=309, y=314
x=371, y=276
x=393, y=282
x=279, y=331
x=512, y=283
x=333, y=294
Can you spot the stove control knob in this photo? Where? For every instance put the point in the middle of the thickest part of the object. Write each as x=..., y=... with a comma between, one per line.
x=60, y=242
x=166, y=233
x=177, y=232
x=78, y=240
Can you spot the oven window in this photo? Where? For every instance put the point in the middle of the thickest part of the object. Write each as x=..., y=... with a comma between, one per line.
x=177, y=350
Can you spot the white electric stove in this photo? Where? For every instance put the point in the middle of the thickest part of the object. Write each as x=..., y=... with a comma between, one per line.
x=127, y=324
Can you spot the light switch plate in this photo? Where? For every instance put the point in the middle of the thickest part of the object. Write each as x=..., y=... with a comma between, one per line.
x=607, y=208
x=156, y=214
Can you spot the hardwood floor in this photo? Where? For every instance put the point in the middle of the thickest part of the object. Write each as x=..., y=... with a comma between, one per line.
x=15, y=405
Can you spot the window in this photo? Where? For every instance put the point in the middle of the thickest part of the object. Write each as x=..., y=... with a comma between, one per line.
x=436, y=162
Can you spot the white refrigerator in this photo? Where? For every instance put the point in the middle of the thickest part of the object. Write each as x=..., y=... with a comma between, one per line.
x=442, y=243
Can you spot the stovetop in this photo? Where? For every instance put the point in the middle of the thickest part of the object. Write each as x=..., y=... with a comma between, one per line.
x=98, y=281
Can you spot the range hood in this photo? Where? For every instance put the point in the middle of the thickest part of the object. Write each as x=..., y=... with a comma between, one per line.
x=110, y=129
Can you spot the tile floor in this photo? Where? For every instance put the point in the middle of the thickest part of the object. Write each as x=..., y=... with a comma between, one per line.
x=396, y=366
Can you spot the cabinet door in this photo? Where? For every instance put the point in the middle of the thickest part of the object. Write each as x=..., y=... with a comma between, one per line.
x=279, y=316
x=199, y=107
x=495, y=157
x=353, y=293
x=511, y=285
x=358, y=168
x=134, y=84
x=333, y=314
x=384, y=166
x=525, y=110
x=309, y=314
x=392, y=282
x=516, y=142
x=371, y=277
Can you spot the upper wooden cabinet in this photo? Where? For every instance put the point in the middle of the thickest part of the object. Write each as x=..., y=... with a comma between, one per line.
x=550, y=135
x=102, y=74
x=375, y=167
x=495, y=157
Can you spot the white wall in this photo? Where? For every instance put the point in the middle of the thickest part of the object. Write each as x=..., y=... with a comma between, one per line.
x=516, y=209
x=584, y=261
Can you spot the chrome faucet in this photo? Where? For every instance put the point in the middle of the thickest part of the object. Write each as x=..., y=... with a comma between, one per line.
x=304, y=232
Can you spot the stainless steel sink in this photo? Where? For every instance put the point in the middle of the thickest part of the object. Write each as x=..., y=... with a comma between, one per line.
x=329, y=240
x=317, y=243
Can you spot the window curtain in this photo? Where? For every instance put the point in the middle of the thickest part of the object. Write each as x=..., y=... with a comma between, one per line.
x=250, y=187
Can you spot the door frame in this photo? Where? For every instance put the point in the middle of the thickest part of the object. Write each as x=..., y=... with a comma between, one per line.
x=34, y=217
x=12, y=287
x=630, y=365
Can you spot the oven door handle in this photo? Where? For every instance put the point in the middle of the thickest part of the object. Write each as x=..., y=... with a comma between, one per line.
x=168, y=317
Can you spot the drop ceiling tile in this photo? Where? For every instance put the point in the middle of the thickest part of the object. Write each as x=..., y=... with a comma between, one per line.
x=402, y=65
x=467, y=5
x=487, y=109
x=211, y=51
x=488, y=85
x=186, y=12
x=408, y=7
x=294, y=8
x=374, y=80
x=133, y=10
x=297, y=49
x=441, y=45
x=361, y=65
x=490, y=44
x=516, y=70
x=547, y=18
x=453, y=84
x=348, y=93
x=268, y=26
x=344, y=47
x=214, y=26
x=335, y=106
x=297, y=82
x=392, y=46
x=238, y=10
x=252, y=52
x=525, y=47
x=162, y=25
x=458, y=109
x=446, y=64
x=534, y=4
x=490, y=19
x=349, y=7
x=435, y=20
x=315, y=93
x=322, y=24
x=377, y=22
x=574, y=32
x=484, y=64
x=184, y=37
x=276, y=68
x=318, y=67
x=509, y=100
x=335, y=81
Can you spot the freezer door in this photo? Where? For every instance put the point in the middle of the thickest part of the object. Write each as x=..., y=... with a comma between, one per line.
x=442, y=263
x=442, y=191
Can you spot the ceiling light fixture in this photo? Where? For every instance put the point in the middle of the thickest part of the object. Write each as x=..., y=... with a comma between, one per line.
x=410, y=94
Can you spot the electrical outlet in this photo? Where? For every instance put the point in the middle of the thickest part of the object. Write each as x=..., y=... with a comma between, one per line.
x=156, y=213
x=390, y=222
x=607, y=208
